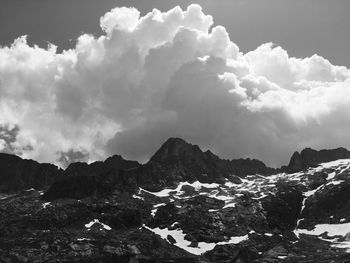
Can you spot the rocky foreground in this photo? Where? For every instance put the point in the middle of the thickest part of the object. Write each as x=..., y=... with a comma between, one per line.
x=184, y=205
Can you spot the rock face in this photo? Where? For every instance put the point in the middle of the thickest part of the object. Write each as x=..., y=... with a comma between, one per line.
x=17, y=174
x=331, y=204
x=310, y=158
x=282, y=210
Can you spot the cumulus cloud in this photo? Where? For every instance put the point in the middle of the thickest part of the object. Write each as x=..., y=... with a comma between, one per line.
x=167, y=74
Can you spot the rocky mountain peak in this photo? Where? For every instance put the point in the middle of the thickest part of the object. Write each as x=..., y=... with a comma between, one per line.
x=295, y=163
x=175, y=148
x=121, y=163
x=178, y=160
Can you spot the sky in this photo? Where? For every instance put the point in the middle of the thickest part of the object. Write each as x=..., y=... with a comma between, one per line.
x=303, y=27
x=84, y=79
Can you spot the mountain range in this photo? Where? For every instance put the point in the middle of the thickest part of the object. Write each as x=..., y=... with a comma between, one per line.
x=183, y=205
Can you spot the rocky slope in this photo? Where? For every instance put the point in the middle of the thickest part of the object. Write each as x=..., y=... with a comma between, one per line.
x=184, y=205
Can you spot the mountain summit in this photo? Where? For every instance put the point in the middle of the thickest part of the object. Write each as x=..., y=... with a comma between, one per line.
x=176, y=148
x=177, y=161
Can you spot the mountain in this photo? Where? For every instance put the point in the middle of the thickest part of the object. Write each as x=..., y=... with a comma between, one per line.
x=78, y=180
x=184, y=205
x=177, y=161
x=115, y=162
x=18, y=174
x=309, y=158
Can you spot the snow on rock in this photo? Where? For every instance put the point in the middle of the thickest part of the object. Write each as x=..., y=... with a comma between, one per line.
x=334, y=164
x=138, y=197
x=343, y=245
x=330, y=176
x=181, y=242
x=336, y=182
x=96, y=221
x=230, y=184
x=3, y=196
x=229, y=205
x=331, y=229
x=339, y=166
x=306, y=195
x=177, y=191
x=155, y=208
x=44, y=205
x=83, y=239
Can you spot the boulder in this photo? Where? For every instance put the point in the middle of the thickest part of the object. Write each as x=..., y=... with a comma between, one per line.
x=171, y=239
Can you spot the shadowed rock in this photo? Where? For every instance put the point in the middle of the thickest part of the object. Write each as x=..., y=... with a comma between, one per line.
x=18, y=174
x=82, y=180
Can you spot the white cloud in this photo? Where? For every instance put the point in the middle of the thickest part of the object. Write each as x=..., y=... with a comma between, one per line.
x=169, y=74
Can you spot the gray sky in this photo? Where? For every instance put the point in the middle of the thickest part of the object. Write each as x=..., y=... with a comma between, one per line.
x=302, y=27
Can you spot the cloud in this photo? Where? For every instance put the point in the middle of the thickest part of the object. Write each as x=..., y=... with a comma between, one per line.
x=167, y=74
x=8, y=136
x=72, y=156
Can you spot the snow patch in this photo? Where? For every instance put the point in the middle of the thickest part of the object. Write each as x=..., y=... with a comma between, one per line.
x=83, y=239
x=336, y=182
x=96, y=221
x=335, y=163
x=177, y=191
x=155, y=208
x=203, y=247
x=230, y=205
x=44, y=205
x=330, y=176
x=138, y=197
x=332, y=229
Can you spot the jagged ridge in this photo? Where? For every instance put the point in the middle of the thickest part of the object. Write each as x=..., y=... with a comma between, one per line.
x=310, y=158
x=17, y=174
x=175, y=161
